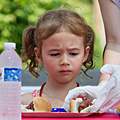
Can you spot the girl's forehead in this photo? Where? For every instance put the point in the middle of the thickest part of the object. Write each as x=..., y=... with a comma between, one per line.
x=64, y=36
x=63, y=39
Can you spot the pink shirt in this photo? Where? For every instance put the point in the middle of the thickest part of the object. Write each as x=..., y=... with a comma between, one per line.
x=117, y=2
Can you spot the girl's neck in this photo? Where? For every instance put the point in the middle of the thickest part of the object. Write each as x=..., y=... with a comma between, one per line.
x=60, y=87
x=57, y=92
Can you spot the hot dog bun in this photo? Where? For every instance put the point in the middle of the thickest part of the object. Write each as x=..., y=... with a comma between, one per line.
x=118, y=109
x=74, y=104
x=41, y=104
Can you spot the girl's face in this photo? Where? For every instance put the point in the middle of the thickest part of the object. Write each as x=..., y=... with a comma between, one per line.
x=63, y=54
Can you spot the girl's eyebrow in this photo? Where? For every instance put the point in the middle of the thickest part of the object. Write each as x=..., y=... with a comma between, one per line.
x=53, y=50
x=74, y=49
x=60, y=49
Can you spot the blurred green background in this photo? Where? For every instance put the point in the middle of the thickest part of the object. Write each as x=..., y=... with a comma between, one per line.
x=16, y=15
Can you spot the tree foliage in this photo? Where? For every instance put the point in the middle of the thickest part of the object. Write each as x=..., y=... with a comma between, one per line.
x=16, y=15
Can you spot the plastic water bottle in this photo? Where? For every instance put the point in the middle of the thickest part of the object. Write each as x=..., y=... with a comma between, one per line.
x=10, y=83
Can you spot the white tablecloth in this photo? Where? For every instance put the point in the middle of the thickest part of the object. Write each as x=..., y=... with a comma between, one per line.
x=28, y=89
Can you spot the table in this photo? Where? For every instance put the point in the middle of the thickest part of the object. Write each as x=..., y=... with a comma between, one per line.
x=104, y=116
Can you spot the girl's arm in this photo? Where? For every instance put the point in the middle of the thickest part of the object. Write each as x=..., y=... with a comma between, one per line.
x=26, y=98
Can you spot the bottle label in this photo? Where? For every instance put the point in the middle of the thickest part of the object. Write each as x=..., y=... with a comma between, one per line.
x=10, y=74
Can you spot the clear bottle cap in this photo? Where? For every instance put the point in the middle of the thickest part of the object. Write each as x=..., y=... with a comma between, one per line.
x=9, y=45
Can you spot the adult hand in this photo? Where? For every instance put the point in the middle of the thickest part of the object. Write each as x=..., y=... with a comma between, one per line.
x=90, y=92
x=109, y=97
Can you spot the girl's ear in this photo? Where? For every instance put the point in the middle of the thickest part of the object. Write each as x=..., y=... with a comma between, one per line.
x=38, y=55
x=87, y=49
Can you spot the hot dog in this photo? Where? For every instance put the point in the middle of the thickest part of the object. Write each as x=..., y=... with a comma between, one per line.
x=80, y=105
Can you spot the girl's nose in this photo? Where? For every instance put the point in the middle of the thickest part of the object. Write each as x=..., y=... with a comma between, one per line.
x=64, y=60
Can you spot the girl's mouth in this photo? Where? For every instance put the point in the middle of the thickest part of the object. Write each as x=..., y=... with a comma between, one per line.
x=65, y=72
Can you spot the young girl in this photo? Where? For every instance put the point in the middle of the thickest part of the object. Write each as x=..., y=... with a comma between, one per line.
x=61, y=42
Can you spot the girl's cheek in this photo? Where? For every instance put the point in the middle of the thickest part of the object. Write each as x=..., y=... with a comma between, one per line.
x=50, y=66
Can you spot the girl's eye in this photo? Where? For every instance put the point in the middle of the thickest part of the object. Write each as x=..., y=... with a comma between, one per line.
x=55, y=54
x=73, y=54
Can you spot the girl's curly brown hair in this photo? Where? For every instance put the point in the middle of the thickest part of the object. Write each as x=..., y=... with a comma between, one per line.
x=49, y=23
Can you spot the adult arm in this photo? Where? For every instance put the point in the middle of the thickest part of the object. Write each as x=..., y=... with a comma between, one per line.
x=111, y=19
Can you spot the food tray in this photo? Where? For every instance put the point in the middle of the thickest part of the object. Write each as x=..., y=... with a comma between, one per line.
x=55, y=114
